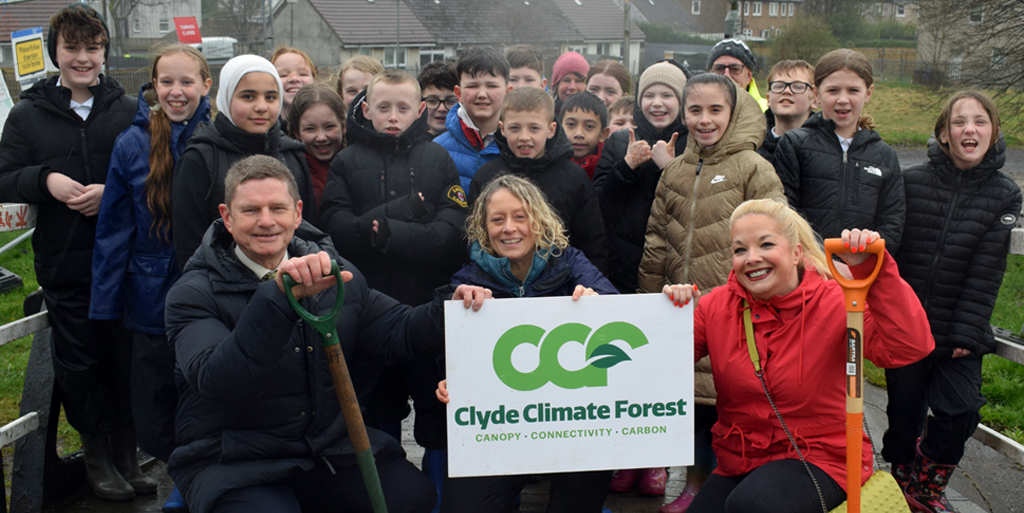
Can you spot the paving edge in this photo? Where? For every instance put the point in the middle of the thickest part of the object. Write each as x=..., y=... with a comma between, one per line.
x=1000, y=442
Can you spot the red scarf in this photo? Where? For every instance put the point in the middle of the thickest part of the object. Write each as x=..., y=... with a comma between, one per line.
x=318, y=171
x=589, y=162
x=473, y=135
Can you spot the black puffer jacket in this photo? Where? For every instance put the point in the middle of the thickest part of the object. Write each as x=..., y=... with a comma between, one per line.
x=626, y=196
x=257, y=403
x=418, y=244
x=767, y=149
x=567, y=187
x=955, y=242
x=835, y=190
x=199, y=174
x=44, y=135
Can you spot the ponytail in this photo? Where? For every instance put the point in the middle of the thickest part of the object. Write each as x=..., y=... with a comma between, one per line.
x=792, y=226
x=161, y=171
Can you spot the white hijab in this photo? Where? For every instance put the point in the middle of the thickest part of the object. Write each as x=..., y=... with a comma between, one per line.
x=233, y=72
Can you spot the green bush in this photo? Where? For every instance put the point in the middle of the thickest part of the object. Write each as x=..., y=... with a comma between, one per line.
x=896, y=30
x=806, y=38
x=883, y=43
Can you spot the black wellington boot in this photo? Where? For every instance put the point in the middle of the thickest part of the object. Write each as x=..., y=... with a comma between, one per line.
x=100, y=471
x=126, y=457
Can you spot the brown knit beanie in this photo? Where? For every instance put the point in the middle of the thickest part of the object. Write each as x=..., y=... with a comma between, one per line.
x=662, y=73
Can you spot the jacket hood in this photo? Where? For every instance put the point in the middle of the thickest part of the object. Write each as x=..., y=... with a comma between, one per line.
x=141, y=118
x=556, y=148
x=646, y=131
x=217, y=256
x=222, y=134
x=360, y=130
x=993, y=161
x=745, y=132
x=46, y=92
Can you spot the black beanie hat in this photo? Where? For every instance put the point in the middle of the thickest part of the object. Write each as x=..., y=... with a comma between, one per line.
x=732, y=48
x=51, y=36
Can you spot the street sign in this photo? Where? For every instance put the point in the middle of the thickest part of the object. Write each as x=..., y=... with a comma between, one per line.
x=29, y=54
x=188, y=30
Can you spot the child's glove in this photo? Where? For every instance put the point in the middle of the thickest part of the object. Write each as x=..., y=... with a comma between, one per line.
x=637, y=152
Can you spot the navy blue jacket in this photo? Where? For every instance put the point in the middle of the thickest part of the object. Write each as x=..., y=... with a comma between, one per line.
x=559, y=278
x=133, y=267
x=257, y=404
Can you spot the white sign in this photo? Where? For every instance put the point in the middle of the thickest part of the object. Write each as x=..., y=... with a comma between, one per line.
x=543, y=385
x=29, y=54
x=6, y=103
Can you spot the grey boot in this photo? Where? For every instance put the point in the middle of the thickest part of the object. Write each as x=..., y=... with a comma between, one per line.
x=100, y=471
x=126, y=457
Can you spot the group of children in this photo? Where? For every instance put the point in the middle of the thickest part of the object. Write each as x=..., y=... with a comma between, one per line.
x=388, y=165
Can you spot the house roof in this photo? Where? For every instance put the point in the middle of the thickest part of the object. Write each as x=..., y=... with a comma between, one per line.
x=372, y=22
x=666, y=12
x=494, y=21
x=597, y=20
x=24, y=14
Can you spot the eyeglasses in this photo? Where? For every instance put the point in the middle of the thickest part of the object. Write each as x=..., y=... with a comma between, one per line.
x=778, y=87
x=732, y=69
x=434, y=102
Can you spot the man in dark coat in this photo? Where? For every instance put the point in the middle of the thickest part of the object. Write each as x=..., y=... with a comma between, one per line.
x=259, y=426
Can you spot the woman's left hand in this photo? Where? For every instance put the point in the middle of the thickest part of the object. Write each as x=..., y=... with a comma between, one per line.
x=472, y=296
x=857, y=240
x=582, y=291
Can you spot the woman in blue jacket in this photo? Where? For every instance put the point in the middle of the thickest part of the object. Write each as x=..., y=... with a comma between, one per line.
x=133, y=263
x=519, y=249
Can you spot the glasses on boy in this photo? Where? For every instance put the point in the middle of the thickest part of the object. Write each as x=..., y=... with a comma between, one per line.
x=779, y=86
x=732, y=69
x=434, y=102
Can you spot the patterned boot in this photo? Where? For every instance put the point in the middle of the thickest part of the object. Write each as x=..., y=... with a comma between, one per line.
x=904, y=474
x=927, y=493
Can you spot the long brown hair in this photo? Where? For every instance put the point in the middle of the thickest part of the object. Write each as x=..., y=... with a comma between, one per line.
x=854, y=61
x=161, y=160
x=942, y=124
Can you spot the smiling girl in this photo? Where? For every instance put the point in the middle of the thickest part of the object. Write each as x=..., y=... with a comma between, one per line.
x=133, y=262
x=296, y=70
x=836, y=170
x=249, y=100
x=608, y=80
x=318, y=120
x=960, y=210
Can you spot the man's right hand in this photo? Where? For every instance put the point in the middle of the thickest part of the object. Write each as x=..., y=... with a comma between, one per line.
x=312, y=274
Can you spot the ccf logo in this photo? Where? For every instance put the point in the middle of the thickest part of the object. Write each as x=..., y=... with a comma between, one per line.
x=600, y=354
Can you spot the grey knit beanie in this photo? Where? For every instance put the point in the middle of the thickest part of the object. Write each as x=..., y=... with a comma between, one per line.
x=663, y=73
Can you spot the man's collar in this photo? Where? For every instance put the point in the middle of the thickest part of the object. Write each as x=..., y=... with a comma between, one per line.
x=257, y=269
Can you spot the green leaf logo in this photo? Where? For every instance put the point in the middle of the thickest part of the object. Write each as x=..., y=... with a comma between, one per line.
x=608, y=356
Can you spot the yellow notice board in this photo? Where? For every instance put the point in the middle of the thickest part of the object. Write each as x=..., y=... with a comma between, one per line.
x=28, y=53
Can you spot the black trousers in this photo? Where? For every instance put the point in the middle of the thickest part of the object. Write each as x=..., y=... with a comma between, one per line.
x=571, y=492
x=952, y=389
x=154, y=396
x=91, y=363
x=406, y=490
x=781, y=486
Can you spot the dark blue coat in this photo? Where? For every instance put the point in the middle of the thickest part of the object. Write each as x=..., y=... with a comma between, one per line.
x=559, y=278
x=467, y=158
x=132, y=267
x=257, y=404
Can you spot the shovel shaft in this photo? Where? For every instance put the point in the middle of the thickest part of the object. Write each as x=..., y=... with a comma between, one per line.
x=854, y=408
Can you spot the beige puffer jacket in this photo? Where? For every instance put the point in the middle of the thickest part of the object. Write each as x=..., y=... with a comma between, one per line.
x=688, y=231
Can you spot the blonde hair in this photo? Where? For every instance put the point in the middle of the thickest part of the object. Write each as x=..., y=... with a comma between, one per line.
x=791, y=226
x=394, y=77
x=528, y=99
x=544, y=222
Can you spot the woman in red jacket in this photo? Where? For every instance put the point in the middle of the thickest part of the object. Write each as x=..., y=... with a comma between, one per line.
x=799, y=321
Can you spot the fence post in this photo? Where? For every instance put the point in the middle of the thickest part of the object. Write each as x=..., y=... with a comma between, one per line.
x=40, y=478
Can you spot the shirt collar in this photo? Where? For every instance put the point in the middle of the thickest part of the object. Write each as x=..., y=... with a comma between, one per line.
x=486, y=138
x=257, y=269
x=82, y=109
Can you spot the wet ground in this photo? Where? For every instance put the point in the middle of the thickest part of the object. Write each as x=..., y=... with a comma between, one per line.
x=984, y=481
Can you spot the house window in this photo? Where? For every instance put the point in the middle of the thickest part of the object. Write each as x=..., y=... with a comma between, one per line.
x=136, y=26
x=764, y=33
x=389, y=57
x=695, y=8
x=748, y=32
x=998, y=57
x=165, y=25
x=757, y=8
x=791, y=10
x=773, y=9
x=977, y=15
x=578, y=49
x=428, y=56
x=778, y=33
x=901, y=11
x=746, y=8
